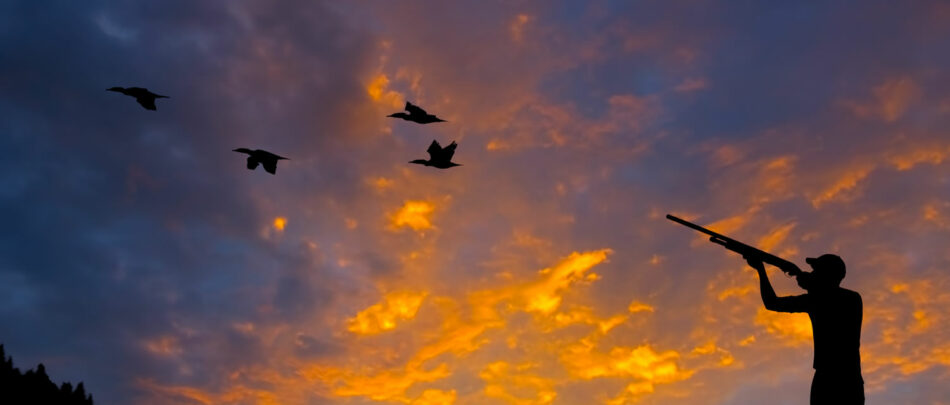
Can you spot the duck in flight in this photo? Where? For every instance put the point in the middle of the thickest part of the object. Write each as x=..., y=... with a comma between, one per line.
x=417, y=115
x=143, y=96
x=263, y=157
x=439, y=157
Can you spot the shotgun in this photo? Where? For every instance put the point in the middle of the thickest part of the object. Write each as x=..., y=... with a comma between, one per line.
x=741, y=248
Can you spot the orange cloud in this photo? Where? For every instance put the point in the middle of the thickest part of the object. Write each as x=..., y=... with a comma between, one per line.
x=236, y=395
x=545, y=296
x=646, y=366
x=380, y=183
x=739, y=291
x=843, y=186
x=415, y=215
x=280, y=223
x=729, y=225
x=386, y=385
x=726, y=155
x=792, y=328
x=690, y=84
x=775, y=237
x=932, y=154
x=584, y=315
x=462, y=332
x=384, y=316
x=435, y=397
x=378, y=91
x=517, y=27
x=637, y=306
x=725, y=359
x=501, y=379
x=163, y=346
x=891, y=99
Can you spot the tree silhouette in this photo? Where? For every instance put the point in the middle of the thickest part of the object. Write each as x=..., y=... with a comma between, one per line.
x=35, y=387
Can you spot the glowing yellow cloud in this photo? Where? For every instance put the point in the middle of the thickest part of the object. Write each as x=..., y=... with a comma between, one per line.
x=738, y=291
x=643, y=364
x=377, y=91
x=280, y=223
x=585, y=315
x=501, y=379
x=415, y=215
x=435, y=397
x=637, y=306
x=544, y=296
x=439, y=351
x=794, y=328
x=729, y=225
x=386, y=385
x=725, y=359
x=384, y=316
x=461, y=332
x=775, y=237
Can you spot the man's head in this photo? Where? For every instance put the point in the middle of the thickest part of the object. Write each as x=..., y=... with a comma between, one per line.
x=828, y=269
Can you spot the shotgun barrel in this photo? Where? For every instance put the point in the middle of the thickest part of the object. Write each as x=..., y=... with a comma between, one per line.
x=741, y=248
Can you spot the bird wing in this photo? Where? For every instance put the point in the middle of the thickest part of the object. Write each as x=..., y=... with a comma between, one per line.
x=448, y=152
x=147, y=102
x=414, y=109
x=277, y=157
x=251, y=163
x=270, y=165
x=434, y=150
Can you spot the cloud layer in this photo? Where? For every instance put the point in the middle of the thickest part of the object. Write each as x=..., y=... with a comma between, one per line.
x=143, y=258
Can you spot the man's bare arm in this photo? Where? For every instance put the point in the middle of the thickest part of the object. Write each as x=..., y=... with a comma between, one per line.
x=765, y=286
x=773, y=302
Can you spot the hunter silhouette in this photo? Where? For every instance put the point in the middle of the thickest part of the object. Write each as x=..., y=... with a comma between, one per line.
x=835, y=315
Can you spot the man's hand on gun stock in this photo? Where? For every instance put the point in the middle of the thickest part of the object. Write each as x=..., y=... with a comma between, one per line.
x=755, y=263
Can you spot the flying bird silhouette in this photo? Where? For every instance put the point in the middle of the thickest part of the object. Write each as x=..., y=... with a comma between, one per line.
x=439, y=157
x=143, y=96
x=263, y=157
x=417, y=115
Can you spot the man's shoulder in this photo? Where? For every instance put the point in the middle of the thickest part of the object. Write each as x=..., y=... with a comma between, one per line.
x=850, y=294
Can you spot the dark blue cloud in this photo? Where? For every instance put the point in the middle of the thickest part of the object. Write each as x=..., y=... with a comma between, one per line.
x=126, y=224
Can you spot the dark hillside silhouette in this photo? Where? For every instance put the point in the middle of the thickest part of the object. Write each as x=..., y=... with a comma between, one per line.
x=35, y=387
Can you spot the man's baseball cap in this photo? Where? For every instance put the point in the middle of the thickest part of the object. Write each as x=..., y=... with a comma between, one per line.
x=827, y=261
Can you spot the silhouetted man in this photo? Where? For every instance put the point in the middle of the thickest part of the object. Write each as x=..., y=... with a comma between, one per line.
x=835, y=315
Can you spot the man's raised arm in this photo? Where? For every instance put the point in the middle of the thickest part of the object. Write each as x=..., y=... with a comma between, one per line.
x=773, y=302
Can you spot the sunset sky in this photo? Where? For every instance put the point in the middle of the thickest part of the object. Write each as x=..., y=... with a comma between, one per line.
x=141, y=256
